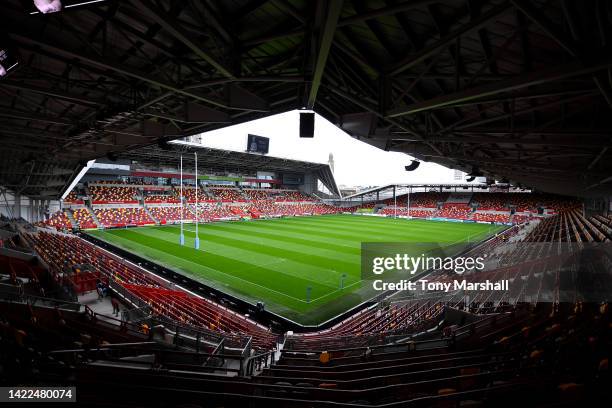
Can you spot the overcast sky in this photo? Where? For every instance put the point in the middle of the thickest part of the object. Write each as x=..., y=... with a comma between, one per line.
x=356, y=163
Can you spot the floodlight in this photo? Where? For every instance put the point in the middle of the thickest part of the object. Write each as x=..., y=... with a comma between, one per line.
x=48, y=6
x=412, y=166
x=8, y=60
x=54, y=6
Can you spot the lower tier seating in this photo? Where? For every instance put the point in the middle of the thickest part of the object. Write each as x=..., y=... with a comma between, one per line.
x=117, y=217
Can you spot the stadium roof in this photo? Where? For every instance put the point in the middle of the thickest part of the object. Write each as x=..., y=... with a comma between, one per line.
x=374, y=190
x=517, y=89
x=209, y=159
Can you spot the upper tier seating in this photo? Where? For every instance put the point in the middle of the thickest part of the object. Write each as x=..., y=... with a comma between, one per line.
x=161, y=199
x=103, y=194
x=259, y=194
x=190, y=194
x=71, y=197
x=226, y=194
x=492, y=201
x=531, y=201
x=293, y=195
x=113, y=182
x=418, y=200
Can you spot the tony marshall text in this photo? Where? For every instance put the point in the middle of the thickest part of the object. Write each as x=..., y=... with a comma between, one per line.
x=422, y=284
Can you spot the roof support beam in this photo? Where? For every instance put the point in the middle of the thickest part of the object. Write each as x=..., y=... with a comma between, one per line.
x=82, y=100
x=449, y=39
x=515, y=114
x=554, y=32
x=324, y=42
x=118, y=68
x=568, y=140
x=34, y=117
x=575, y=68
x=358, y=18
x=598, y=157
x=174, y=28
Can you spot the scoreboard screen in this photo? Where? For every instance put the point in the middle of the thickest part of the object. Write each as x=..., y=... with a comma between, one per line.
x=258, y=144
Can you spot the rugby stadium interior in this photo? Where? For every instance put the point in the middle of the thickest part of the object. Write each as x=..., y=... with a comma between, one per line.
x=141, y=269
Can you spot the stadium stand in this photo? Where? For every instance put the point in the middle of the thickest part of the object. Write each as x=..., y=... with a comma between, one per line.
x=448, y=346
x=492, y=217
x=455, y=211
x=197, y=311
x=420, y=200
x=160, y=199
x=59, y=221
x=120, y=217
x=190, y=194
x=171, y=214
x=493, y=201
x=113, y=194
x=296, y=196
x=259, y=194
x=84, y=218
x=72, y=198
x=226, y=194
x=213, y=211
x=72, y=256
x=270, y=303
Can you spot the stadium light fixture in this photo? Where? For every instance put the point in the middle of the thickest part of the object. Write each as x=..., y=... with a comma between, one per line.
x=54, y=6
x=47, y=6
x=413, y=166
x=8, y=60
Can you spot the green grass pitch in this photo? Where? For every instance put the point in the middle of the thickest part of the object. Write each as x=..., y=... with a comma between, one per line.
x=276, y=260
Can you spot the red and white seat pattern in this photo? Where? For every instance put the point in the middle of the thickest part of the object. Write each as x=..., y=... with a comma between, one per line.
x=171, y=214
x=72, y=198
x=294, y=195
x=63, y=252
x=84, y=218
x=491, y=217
x=227, y=194
x=112, y=194
x=59, y=221
x=259, y=194
x=198, y=311
x=118, y=217
x=455, y=211
x=161, y=199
